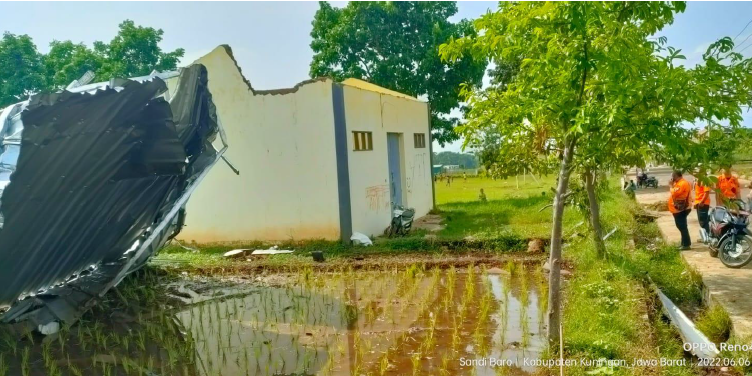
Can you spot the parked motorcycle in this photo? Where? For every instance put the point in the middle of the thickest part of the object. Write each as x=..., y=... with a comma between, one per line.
x=645, y=181
x=402, y=221
x=729, y=239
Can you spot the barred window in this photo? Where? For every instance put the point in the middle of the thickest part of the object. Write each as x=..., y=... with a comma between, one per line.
x=363, y=141
x=420, y=140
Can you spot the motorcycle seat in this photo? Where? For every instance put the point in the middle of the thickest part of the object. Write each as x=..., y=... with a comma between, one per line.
x=718, y=213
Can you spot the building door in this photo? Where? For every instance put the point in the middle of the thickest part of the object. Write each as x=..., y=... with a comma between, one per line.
x=395, y=167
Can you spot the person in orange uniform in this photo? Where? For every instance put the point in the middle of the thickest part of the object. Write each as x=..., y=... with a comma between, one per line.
x=702, y=205
x=729, y=185
x=679, y=206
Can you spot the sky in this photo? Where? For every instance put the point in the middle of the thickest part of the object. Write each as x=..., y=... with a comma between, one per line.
x=271, y=40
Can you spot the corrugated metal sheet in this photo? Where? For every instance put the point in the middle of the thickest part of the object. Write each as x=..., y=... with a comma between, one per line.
x=99, y=179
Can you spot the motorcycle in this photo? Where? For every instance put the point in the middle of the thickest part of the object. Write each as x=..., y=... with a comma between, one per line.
x=645, y=181
x=402, y=221
x=729, y=239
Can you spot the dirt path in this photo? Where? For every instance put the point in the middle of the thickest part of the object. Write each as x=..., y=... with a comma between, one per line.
x=731, y=288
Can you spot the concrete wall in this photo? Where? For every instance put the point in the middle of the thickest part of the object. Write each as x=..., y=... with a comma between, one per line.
x=367, y=110
x=283, y=144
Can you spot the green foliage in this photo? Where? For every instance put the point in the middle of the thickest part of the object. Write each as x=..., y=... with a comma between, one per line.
x=395, y=45
x=20, y=68
x=133, y=52
x=591, y=75
x=68, y=61
x=464, y=160
x=715, y=323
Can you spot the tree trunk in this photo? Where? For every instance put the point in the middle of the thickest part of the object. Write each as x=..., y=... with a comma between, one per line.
x=595, y=213
x=554, y=261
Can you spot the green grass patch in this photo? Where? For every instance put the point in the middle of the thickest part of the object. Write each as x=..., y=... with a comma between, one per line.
x=741, y=357
x=508, y=210
x=715, y=323
x=212, y=256
x=497, y=226
x=610, y=312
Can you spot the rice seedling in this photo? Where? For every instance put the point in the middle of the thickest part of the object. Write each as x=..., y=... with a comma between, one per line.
x=455, y=334
x=25, y=361
x=274, y=329
x=511, y=268
x=524, y=304
x=415, y=360
x=542, y=296
x=444, y=368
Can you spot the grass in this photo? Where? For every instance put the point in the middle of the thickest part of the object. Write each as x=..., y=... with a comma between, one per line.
x=509, y=210
x=610, y=311
x=503, y=224
x=715, y=323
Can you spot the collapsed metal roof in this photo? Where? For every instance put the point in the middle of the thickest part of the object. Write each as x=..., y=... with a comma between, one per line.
x=93, y=181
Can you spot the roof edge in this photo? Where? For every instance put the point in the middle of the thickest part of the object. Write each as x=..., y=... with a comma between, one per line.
x=361, y=84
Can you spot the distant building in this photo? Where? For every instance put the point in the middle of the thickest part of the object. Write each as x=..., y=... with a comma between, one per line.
x=317, y=161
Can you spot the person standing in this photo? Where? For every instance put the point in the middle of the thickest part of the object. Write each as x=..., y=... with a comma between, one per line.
x=702, y=205
x=729, y=185
x=679, y=206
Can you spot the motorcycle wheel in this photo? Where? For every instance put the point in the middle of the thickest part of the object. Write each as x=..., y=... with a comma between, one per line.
x=391, y=230
x=737, y=254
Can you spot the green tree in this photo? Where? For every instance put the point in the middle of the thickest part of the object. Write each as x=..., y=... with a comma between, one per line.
x=395, y=45
x=133, y=52
x=599, y=88
x=68, y=61
x=21, y=72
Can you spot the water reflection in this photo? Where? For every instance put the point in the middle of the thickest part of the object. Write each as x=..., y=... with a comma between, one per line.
x=397, y=322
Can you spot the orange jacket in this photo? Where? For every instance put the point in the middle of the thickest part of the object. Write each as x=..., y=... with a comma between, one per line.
x=702, y=194
x=679, y=191
x=729, y=186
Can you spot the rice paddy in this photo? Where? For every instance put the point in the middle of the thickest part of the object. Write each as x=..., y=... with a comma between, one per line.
x=408, y=320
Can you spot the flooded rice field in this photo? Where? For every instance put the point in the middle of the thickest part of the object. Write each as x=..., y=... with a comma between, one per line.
x=407, y=321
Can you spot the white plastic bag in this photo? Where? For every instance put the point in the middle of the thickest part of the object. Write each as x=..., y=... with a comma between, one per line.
x=362, y=239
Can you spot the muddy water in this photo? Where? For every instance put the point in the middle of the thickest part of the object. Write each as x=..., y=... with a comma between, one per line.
x=394, y=322
x=398, y=322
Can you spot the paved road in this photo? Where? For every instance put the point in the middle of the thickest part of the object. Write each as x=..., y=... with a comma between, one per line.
x=731, y=288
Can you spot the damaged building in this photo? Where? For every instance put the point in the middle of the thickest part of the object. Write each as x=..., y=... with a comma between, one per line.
x=320, y=160
x=95, y=179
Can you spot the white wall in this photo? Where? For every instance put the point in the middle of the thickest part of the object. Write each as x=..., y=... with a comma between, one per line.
x=369, y=180
x=283, y=145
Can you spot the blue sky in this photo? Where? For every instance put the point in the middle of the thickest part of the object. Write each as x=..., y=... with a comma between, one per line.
x=271, y=40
